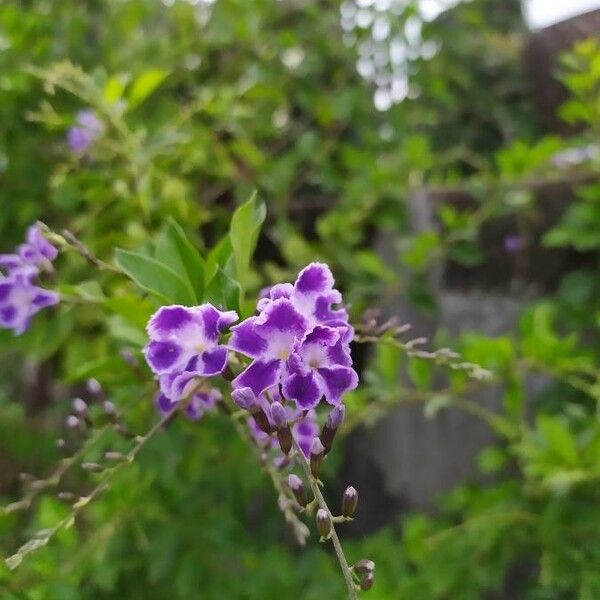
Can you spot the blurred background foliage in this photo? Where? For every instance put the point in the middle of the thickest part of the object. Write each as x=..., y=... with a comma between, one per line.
x=200, y=104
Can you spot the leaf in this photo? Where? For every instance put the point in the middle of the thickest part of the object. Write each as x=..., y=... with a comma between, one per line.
x=174, y=249
x=144, y=84
x=224, y=291
x=558, y=438
x=152, y=275
x=421, y=372
x=243, y=233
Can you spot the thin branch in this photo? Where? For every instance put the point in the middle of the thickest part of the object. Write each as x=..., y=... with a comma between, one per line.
x=323, y=504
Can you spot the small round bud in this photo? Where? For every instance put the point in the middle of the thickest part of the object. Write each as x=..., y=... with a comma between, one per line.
x=295, y=484
x=26, y=477
x=349, y=502
x=284, y=437
x=367, y=581
x=323, y=523
x=317, y=452
x=279, y=415
x=92, y=467
x=129, y=357
x=72, y=422
x=244, y=398
x=123, y=431
x=115, y=456
x=364, y=565
x=109, y=409
x=93, y=386
x=67, y=496
x=61, y=445
x=79, y=406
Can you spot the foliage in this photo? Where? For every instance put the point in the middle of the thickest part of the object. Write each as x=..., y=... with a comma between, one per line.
x=202, y=103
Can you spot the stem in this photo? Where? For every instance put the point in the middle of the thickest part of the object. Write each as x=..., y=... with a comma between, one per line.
x=334, y=536
x=40, y=540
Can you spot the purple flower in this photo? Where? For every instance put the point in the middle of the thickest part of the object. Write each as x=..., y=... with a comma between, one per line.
x=184, y=345
x=86, y=130
x=37, y=252
x=200, y=403
x=298, y=341
x=513, y=243
x=20, y=299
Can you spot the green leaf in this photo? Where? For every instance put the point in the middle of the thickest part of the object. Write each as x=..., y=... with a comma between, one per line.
x=174, y=249
x=156, y=277
x=243, y=233
x=144, y=84
x=421, y=372
x=558, y=438
x=224, y=291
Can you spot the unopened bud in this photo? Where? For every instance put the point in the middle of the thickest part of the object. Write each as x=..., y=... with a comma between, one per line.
x=295, y=484
x=284, y=437
x=367, y=581
x=72, y=422
x=244, y=397
x=278, y=415
x=93, y=386
x=123, y=431
x=26, y=477
x=79, y=406
x=364, y=565
x=261, y=419
x=67, y=496
x=349, y=502
x=317, y=452
x=61, y=446
x=92, y=467
x=109, y=409
x=115, y=456
x=334, y=420
x=323, y=523
x=129, y=357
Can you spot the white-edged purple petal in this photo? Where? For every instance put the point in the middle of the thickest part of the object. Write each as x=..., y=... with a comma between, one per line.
x=214, y=320
x=303, y=389
x=163, y=357
x=246, y=340
x=202, y=402
x=168, y=321
x=259, y=376
x=337, y=381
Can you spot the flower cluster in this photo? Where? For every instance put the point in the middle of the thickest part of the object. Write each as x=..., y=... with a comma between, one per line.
x=183, y=347
x=298, y=344
x=20, y=296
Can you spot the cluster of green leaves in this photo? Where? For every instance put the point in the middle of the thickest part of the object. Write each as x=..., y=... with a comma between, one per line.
x=203, y=103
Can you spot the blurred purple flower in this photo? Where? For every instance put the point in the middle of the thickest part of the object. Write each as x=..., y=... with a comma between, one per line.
x=200, y=403
x=37, y=252
x=86, y=130
x=20, y=299
x=513, y=243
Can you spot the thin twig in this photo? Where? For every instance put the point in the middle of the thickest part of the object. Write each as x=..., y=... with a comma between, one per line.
x=323, y=504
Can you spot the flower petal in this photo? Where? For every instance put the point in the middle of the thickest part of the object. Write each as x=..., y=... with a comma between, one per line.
x=315, y=278
x=163, y=356
x=303, y=389
x=336, y=381
x=168, y=321
x=214, y=320
x=246, y=340
x=259, y=376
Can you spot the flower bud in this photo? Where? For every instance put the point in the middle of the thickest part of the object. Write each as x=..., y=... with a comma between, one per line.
x=349, y=502
x=72, y=422
x=364, y=565
x=323, y=523
x=317, y=452
x=129, y=358
x=244, y=397
x=92, y=467
x=295, y=484
x=284, y=437
x=67, y=496
x=62, y=446
x=261, y=419
x=79, y=406
x=109, y=409
x=93, y=386
x=367, y=581
x=115, y=456
x=334, y=420
x=278, y=415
